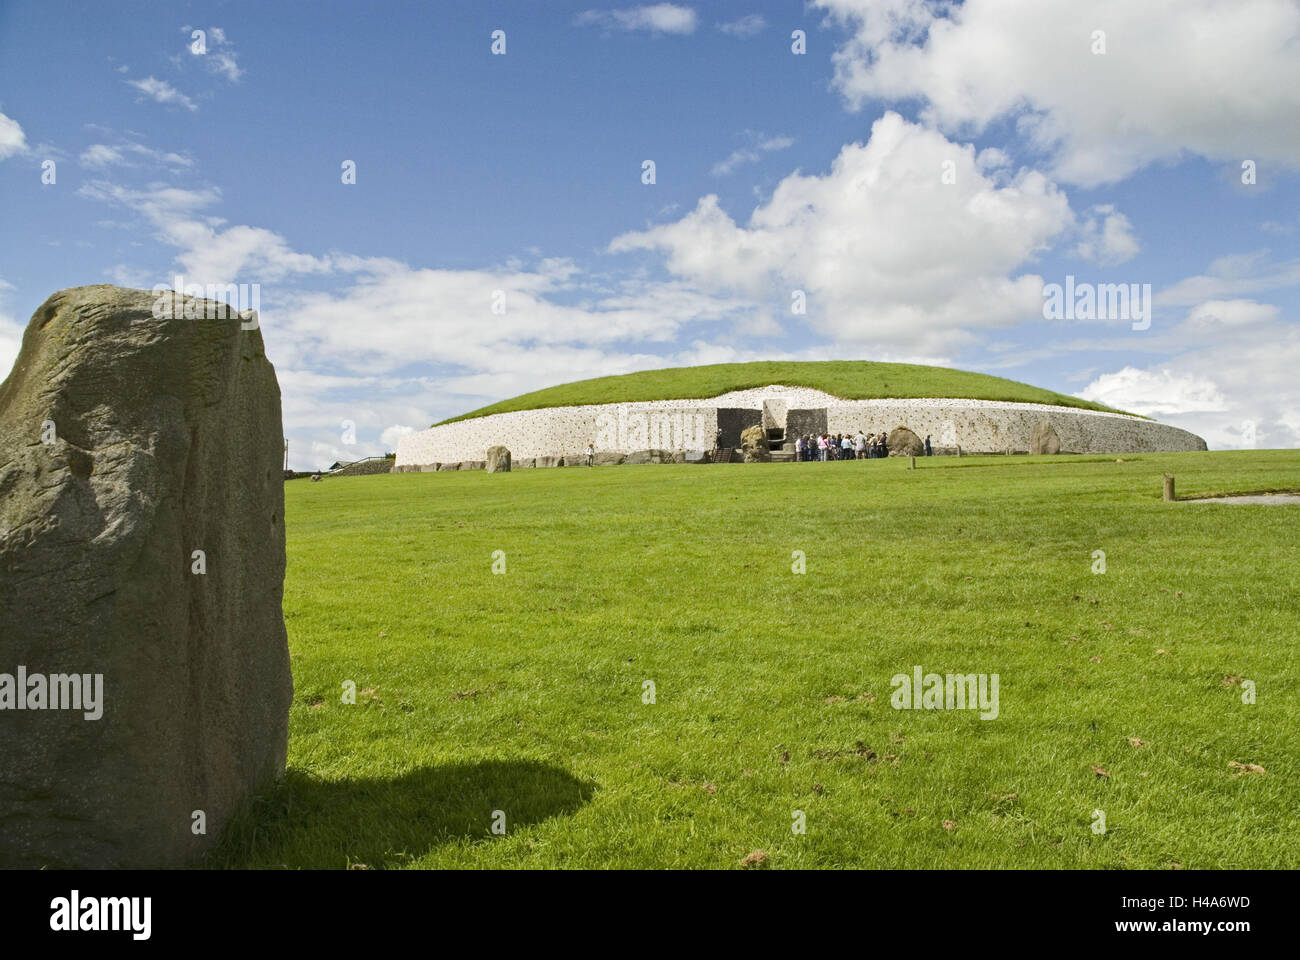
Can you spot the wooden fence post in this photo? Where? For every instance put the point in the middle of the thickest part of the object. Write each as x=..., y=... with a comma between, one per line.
x=1169, y=487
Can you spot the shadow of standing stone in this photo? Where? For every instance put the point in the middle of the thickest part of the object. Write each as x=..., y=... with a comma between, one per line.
x=141, y=568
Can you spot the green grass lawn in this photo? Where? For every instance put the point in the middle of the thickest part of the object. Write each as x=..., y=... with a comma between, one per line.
x=850, y=379
x=523, y=691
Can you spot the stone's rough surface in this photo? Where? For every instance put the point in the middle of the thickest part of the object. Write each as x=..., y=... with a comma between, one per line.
x=977, y=426
x=697, y=456
x=1044, y=439
x=649, y=456
x=498, y=460
x=753, y=444
x=730, y=423
x=903, y=442
x=805, y=423
x=609, y=459
x=166, y=440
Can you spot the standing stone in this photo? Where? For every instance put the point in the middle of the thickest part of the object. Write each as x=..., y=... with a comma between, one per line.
x=1044, y=439
x=753, y=445
x=130, y=444
x=902, y=442
x=498, y=460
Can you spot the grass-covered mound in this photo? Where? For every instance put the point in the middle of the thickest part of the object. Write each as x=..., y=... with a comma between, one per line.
x=524, y=690
x=849, y=379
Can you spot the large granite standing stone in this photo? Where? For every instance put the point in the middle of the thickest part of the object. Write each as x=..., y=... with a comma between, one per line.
x=128, y=443
x=1044, y=439
x=498, y=460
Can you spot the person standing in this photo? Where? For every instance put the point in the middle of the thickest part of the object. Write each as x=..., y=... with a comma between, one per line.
x=591, y=455
x=927, y=445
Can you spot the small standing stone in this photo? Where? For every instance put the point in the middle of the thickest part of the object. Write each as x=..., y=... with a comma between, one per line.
x=498, y=460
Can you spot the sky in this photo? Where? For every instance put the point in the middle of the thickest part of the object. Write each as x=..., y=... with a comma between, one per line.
x=600, y=189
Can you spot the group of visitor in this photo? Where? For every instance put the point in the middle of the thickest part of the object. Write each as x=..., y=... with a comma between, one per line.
x=843, y=446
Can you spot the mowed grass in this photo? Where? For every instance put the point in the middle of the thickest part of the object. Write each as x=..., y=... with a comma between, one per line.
x=850, y=379
x=522, y=692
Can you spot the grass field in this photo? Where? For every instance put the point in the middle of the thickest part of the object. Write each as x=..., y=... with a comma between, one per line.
x=523, y=691
x=850, y=379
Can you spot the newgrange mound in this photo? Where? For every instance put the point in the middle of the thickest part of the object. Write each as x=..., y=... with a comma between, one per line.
x=685, y=414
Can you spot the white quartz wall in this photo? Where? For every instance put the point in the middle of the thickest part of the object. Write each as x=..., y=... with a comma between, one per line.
x=977, y=426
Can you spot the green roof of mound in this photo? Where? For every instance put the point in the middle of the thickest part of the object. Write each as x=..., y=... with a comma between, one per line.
x=849, y=379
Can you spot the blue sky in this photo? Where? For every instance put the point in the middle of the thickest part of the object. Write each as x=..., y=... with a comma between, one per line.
x=920, y=173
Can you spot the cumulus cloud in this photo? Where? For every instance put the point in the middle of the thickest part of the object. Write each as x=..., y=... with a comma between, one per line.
x=1218, y=78
x=1106, y=237
x=654, y=18
x=160, y=91
x=1231, y=379
x=750, y=25
x=12, y=139
x=1155, y=391
x=886, y=253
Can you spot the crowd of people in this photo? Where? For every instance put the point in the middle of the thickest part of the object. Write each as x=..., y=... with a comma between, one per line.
x=843, y=446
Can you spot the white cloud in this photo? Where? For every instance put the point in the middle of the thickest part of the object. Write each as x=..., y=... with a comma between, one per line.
x=393, y=434
x=749, y=25
x=12, y=139
x=11, y=333
x=206, y=253
x=1219, y=315
x=1219, y=78
x=1233, y=383
x=161, y=91
x=886, y=253
x=1106, y=237
x=655, y=18
x=1234, y=275
x=1154, y=392
x=220, y=56
x=101, y=155
x=751, y=154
